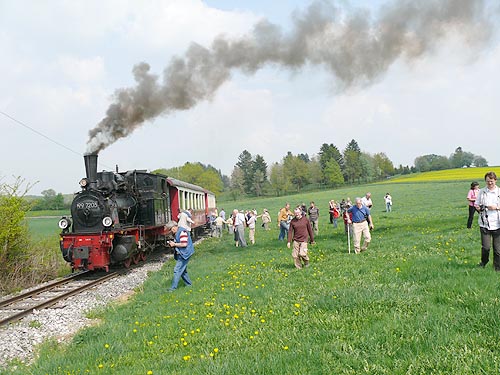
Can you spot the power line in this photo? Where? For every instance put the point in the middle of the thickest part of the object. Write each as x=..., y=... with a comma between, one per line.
x=46, y=137
x=37, y=132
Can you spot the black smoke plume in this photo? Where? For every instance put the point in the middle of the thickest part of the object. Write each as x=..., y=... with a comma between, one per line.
x=354, y=47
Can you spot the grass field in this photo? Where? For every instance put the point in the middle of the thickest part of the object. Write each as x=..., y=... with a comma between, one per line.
x=414, y=303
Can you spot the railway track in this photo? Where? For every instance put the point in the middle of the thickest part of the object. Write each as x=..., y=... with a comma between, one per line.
x=17, y=307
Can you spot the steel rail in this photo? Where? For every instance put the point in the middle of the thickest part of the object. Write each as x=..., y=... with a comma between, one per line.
x=34, y=292
x=56, y=299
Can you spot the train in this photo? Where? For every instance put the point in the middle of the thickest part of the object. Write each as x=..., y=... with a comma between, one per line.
x=117, y=218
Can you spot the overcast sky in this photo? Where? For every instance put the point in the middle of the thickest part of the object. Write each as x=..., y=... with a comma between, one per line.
x=63, y=60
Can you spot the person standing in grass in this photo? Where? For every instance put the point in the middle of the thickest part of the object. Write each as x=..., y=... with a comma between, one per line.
x=471, y=198
x=183, y=249
x=239, y=228
x=488, y=205
x=266, y=219
x=367, y=200
x=313, y=212
x=251, y=226
x=388, y=202
x=361, y=224
x=300, y=230
x=283, y=221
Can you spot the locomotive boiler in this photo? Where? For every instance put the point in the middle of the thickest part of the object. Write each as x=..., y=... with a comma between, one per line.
x=118, y=217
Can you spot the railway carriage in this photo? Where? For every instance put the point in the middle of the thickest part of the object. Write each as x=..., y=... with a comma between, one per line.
x=118, y=217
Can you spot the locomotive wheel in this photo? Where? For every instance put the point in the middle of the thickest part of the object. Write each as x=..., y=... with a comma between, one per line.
x=136, y=258
x=143, y=256
x=127, y=262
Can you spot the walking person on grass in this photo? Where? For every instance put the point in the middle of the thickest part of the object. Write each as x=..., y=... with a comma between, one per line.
x=300, y=231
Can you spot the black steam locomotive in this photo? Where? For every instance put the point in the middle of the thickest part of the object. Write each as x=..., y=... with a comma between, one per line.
x=118, y=217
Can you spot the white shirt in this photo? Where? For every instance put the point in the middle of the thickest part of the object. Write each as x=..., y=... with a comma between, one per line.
x=239, y=219
x=487, y=197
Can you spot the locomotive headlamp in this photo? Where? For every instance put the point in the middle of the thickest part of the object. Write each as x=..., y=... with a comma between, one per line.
x=84, y=182
x=107, y=221
x=64, y=223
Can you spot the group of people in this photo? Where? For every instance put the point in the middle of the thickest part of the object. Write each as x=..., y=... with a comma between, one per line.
x=300, y=230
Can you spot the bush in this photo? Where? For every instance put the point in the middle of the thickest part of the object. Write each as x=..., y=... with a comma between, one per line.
x=22, y=263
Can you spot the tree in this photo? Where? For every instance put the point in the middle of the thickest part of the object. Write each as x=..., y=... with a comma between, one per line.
x=461, y=158
x=260, y=165
x=245, y=164
x=237, y=183
x=333, y=174
x=315, y=174
x=479, y=161
x=198, y=174
x=352, y=161
x=328, y=152
x=383, y=165
x=279, y=182
x=296, y=170
x=210, y=180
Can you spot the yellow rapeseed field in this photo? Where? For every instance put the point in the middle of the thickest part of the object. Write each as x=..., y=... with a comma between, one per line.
x=459, y=174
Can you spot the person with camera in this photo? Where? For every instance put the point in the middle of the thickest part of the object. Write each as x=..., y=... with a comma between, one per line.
x=488, y=205
x=183, y=250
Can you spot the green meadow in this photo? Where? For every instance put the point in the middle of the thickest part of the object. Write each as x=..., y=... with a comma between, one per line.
x=414, y=303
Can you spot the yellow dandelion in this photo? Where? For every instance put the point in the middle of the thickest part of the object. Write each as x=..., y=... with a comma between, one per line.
x=216, y=350
x=285, y=348
x=100, y=365
x=186, y=357
x=106, y=346
x=149, y=372
x=297, y=305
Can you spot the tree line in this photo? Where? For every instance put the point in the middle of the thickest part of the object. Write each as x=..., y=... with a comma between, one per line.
x=330, y=168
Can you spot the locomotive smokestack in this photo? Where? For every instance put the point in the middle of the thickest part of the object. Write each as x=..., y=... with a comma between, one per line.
x=91, y=168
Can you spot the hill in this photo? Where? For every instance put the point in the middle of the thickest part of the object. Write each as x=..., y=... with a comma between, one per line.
x=458, y=174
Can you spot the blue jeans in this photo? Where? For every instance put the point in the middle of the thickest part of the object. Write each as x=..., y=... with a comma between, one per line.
x=180, y=271
x=284, y=226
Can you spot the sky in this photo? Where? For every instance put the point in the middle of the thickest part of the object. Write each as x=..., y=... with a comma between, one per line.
x=390, y=74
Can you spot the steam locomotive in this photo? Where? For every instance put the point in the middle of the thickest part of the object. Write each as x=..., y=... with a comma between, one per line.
x=118, y=217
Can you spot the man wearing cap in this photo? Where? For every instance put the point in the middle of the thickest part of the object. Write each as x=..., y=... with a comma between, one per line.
x=183, y=249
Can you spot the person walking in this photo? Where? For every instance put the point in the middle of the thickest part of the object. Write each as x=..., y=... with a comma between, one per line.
x=362, y=222
x=331, y=207
x=313, y=212
x=183, y=250
x=388, y=202
x=219, y=225
x=284, y=221
x=488, y=205
x=239, y=228
x=471, y=199
x=266, y=219
x=300, y=231
x=251, y=226
x=367, y=200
